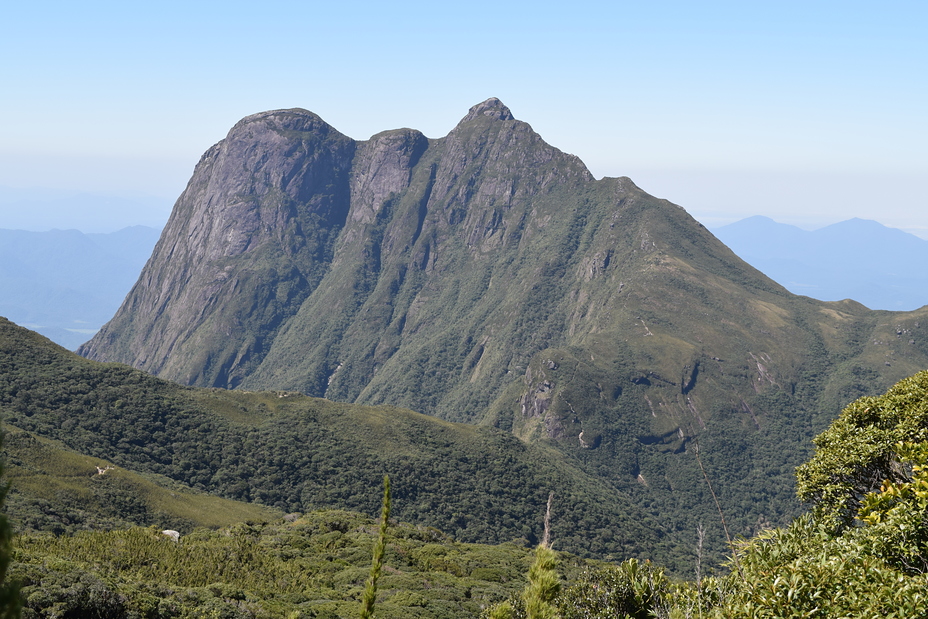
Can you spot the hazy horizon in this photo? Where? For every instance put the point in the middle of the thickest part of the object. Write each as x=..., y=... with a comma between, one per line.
x=809, y=114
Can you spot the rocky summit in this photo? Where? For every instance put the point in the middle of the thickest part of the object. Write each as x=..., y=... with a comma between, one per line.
x=488, y=277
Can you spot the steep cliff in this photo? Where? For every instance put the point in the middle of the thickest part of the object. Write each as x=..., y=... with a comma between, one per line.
x=248, y=240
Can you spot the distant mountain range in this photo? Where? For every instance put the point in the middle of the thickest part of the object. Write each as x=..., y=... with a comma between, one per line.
x=883, y=268
x=64, y=283
x=41, y=209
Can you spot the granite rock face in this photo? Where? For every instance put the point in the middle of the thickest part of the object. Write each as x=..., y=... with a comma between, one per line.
x=248, y=240
x=284, y=203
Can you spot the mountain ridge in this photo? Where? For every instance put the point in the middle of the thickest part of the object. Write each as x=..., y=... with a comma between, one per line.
x=486, y=277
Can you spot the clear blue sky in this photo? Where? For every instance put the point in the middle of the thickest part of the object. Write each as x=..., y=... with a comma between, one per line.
x=809, y=112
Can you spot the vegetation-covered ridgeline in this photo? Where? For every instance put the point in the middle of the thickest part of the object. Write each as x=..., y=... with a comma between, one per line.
x=287, y=452
x=487, y=277
x=862, y=551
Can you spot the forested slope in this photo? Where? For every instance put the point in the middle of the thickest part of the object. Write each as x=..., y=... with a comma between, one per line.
x=295, y=453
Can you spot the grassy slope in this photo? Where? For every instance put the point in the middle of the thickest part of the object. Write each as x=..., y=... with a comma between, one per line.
x=57, y=489
x=315, y=566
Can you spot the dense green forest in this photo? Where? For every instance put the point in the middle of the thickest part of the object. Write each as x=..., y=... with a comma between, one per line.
x=862, y=551
x=285, y=452
x=293, y=453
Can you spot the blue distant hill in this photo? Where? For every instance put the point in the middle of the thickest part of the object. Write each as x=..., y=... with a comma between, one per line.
x=66, y=284
x=883, y=268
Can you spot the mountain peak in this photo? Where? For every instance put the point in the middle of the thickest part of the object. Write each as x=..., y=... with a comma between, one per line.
x=492, y=107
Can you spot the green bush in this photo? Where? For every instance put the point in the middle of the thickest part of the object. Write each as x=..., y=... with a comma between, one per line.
x=863, y=549
x=632, y=589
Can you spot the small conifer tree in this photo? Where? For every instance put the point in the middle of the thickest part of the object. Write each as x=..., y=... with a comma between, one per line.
x=543, y=582
x=543, y=585
x=370, y=591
